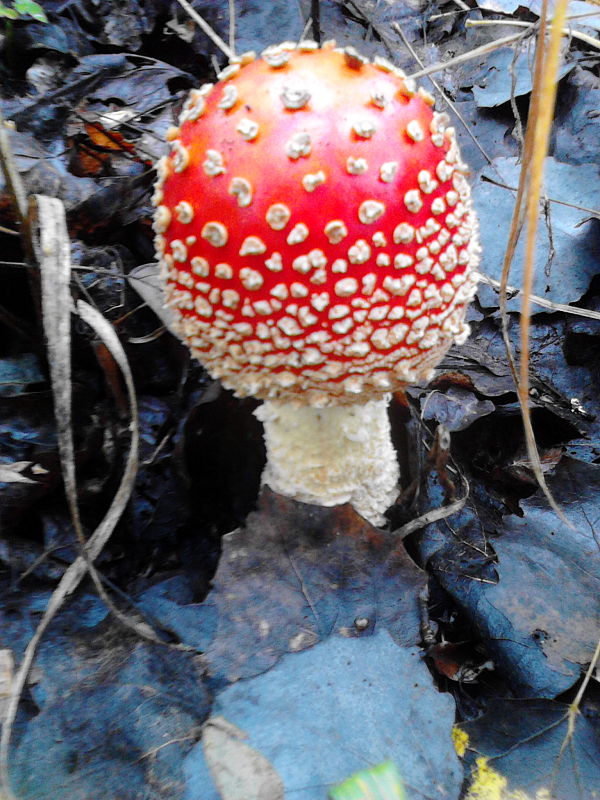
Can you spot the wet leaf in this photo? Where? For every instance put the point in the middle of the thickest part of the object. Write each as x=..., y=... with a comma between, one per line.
x=12, y=473
x=503, y=6
x=106, y=704
x=517, y=747
x=322, y=714
x=298, y=573
x=253, y=776
x=577, y=128
x=567, y=250
x=530, y=584
x=256, y=22
x=18, y=374
x=507, y=73
x=456, y=408
x=116, y=24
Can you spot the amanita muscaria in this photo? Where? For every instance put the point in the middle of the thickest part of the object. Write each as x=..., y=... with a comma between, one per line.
x=319, y=246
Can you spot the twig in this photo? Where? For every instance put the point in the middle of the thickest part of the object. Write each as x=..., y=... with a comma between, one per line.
x=431, y=516
x=573, y=712
x=11, y=174
x=443, y=94
x=567, y=31
x=50, y=246
x=540, y=301
x=232, y=25
x=461, y=59
x=315, y=11
x=203, y=24
x=593, y=212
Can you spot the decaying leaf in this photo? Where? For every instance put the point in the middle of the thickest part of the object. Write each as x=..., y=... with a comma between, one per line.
x=507, y=73
x=11, y=473
x=567, y=251
x=298, y=573
x=322, y=714
x=530, y=584
x=238, y=770
x=516, y=749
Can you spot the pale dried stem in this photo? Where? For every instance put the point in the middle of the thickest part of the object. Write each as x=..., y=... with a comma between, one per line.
x=232, y=25
x=546, y=80
x=541, y=301
x=566, y=31
x=204, y=26
x=11, y=174
x=443, y=94
x=469, y=56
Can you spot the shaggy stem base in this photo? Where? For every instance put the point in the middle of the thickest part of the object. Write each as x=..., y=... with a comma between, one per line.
x=329, y=456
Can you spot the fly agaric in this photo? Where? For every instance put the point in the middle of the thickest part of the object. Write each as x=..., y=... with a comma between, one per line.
x=319, y=247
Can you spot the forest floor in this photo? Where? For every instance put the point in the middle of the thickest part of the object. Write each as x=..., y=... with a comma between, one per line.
x=256, y=641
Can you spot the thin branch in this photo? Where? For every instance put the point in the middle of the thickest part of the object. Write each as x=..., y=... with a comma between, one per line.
x=541, y=301
x=567, y=31
x=443, y=94
x=464, y=57
x=593, y=212
x=11, y=174
x=232, y=25
x=315, y=11
x=203, y=25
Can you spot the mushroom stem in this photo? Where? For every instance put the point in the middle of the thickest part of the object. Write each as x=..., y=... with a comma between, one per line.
x=334, y=455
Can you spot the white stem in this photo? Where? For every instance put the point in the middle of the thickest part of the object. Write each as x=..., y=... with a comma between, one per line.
x=334, y=455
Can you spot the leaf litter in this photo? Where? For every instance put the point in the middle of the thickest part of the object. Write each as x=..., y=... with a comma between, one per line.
x=87, y=129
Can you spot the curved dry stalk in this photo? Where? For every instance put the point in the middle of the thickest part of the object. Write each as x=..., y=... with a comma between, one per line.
x=517, y=220
x=11, y=174
x=541, y=124
x=51, y=247
x=527, y=201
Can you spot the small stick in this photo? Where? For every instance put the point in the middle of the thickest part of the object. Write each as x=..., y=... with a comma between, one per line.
x=478, y=51
x=315, y=10
x=471, y=23
x=203, y=24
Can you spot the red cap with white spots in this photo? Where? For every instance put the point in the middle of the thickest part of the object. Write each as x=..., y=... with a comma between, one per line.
x=315, y=228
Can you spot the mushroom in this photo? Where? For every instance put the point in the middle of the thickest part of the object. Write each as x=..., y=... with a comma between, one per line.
x=318, y=244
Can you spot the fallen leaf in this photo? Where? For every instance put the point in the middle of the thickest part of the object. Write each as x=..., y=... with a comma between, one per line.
x=237, y=769
x=11, y=473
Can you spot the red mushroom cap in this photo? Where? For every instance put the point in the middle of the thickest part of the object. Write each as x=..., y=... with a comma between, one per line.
x=315, y=227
